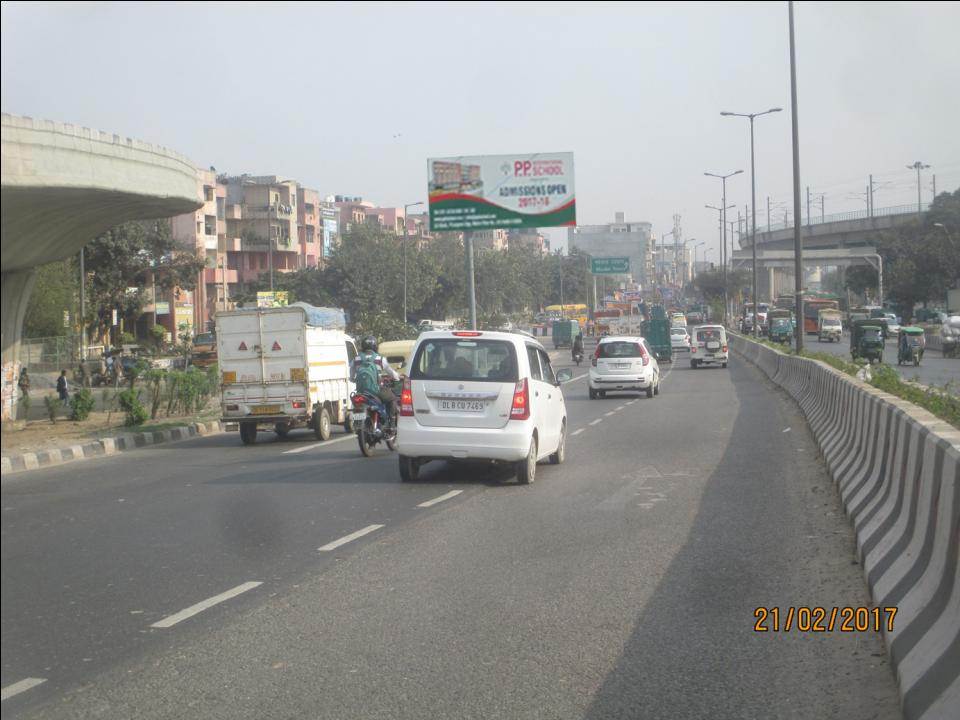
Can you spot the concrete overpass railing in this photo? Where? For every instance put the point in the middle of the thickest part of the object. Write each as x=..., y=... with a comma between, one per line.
x=897, y=468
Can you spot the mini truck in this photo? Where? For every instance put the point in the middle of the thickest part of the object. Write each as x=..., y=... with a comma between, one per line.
x=280, y=371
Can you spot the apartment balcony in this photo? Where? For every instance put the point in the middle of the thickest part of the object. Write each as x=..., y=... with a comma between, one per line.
x=233, y=212
x=215, y=276
x=270, y=212
x=210, y=242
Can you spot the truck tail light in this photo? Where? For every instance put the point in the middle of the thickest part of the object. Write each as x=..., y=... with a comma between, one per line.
x=406, y=399
x=520, y=410
x=232, y=408
x=299, y=404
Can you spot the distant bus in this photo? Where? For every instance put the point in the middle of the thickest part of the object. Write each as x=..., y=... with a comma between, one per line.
x=811, y=311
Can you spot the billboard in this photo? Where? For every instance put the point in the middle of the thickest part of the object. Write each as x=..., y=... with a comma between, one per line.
x=268, y=299
x=487, y=192
x=610, y=265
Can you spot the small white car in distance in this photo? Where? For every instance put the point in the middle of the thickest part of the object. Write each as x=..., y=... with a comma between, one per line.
x=623, y=363
x=481, y=395
x=680, y=339
x=708, y=346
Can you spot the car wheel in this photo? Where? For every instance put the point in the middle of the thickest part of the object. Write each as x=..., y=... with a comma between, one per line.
x=656, y=388
x=602, y=393
x=592, y=393
x=248, y=432
x=693, y=364
x=724, y=365
x=321, y=424
x=282, y=429
x=650, y=390
x=527, y=468
x=409, y=469
x=561, y=452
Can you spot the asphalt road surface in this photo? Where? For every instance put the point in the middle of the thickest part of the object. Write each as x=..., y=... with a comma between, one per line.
x=933, y=370
x=293, y=579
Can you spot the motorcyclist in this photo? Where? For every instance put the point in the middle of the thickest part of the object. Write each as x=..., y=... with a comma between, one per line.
x=367, y=369
x=577, y=347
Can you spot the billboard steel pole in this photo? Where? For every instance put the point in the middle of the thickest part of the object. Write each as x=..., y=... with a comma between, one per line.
x=471, y=287
x=797, y=242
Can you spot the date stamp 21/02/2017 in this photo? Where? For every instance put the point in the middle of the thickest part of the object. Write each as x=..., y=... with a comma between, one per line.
x=821, y=619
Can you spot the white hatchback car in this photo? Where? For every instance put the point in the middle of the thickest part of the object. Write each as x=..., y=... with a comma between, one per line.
x=708, y=346
x=481, y=395
x=680, y=339
x=623, y=363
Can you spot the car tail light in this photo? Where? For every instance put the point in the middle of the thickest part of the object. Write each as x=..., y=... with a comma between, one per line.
x=520, y=410
x=299, y=404
x=406, y=399
x=596, y=354
x=724, y=348
x=467, y=333
x=693, y=348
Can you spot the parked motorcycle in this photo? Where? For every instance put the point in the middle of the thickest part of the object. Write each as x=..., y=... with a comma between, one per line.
x=371, y=423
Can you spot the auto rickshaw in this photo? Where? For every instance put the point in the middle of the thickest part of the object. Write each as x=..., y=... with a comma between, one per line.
x=866, y=340
x=781, y=325
x=910, y=345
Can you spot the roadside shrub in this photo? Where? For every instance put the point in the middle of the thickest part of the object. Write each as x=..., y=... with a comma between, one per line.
x=136, y=413
x=81, y=404
x=24, y=402
x=52, y=405
x=154, y=379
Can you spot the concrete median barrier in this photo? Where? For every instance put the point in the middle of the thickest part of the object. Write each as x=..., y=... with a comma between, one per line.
x=897, y=468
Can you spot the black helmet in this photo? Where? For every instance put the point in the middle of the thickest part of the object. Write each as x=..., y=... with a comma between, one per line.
x=369, y=343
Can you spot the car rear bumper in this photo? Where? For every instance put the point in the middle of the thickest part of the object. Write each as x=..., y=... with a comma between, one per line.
x=707, y=359
x=620, y=382
x=509, y=443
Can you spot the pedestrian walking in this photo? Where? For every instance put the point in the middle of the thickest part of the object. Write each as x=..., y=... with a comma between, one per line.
x=23, y=382
x=63, y=389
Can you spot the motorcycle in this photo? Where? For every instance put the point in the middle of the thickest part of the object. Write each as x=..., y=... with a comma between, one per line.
x=371, y=423
x=578, y=357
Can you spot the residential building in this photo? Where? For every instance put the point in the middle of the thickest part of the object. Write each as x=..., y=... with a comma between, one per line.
x=353, y=211
x=309, y=227
x=528, y=237
x=490, y=239
x=621, y=238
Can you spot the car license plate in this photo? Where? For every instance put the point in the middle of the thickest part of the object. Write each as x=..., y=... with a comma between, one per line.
x=462, y=405
x=622, y=366
x=266, y=410
x=358, y=417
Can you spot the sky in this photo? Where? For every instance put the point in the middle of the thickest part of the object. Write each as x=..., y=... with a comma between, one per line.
x=352, y=98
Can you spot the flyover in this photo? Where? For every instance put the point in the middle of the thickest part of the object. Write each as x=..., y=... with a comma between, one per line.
x=839, y=240
x=62, y=186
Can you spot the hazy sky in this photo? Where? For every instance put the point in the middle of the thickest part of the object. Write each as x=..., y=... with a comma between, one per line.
x=352, y=98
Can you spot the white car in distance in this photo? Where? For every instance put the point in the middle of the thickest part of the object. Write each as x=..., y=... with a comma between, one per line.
x=680, y=339
x=623, y=363
x=481, y=395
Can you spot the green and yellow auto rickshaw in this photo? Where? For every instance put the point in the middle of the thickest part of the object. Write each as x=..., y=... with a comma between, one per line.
x=866, y=340
x=910, y=345
x=780, y=325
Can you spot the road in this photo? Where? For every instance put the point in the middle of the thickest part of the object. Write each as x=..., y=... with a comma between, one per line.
x=621, y=584
x=933, y=370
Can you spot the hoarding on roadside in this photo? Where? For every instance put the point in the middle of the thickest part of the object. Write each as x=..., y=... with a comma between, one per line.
x=487, y=192
x=268, y=299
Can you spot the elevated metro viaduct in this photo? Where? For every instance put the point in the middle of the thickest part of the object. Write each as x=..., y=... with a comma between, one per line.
x=62, y=186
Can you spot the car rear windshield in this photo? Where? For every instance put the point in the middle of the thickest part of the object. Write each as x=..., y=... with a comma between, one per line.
x=476, y=360
x=619, y=349
x=707, y=335
x=678, y=331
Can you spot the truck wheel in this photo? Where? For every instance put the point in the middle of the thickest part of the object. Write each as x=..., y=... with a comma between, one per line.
x=282, y=429
x=409, y=469
x=321, y=424
x=248, y=432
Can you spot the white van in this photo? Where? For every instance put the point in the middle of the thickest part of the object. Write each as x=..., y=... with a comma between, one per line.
x=481, y=395
x=280, y=371
x=708, y=346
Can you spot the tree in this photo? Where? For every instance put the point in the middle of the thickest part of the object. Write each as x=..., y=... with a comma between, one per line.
x=122, y=259
x=56, y=289
x=710, y=282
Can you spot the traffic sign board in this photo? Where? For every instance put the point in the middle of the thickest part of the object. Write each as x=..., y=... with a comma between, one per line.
x=610, y=265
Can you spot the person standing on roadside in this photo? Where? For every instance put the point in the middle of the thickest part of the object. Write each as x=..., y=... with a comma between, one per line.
x=63, y=389
x=23, y=382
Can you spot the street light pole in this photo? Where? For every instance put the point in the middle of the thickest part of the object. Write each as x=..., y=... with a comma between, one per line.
x=797, y=243
x=753, y=210
x=406, y=235
x=723, y=259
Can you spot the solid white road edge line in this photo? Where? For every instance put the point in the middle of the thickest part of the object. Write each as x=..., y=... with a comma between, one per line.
x=577, y=432
x=445, y=496
x=20, y=686
x=347, y=538
x=319, y=444
x=596, y=422
x=205, y=604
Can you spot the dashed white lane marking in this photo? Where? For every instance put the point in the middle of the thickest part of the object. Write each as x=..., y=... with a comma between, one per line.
x=205, y=604
x=319, y=444
x=576, y=377
x=347, y=538
x=445, y=496
x=608, y=414
x=619, y=408
x=577, y=432
x=786, y=430
x=20, y=686
x=596, y=422
x=631, y=402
